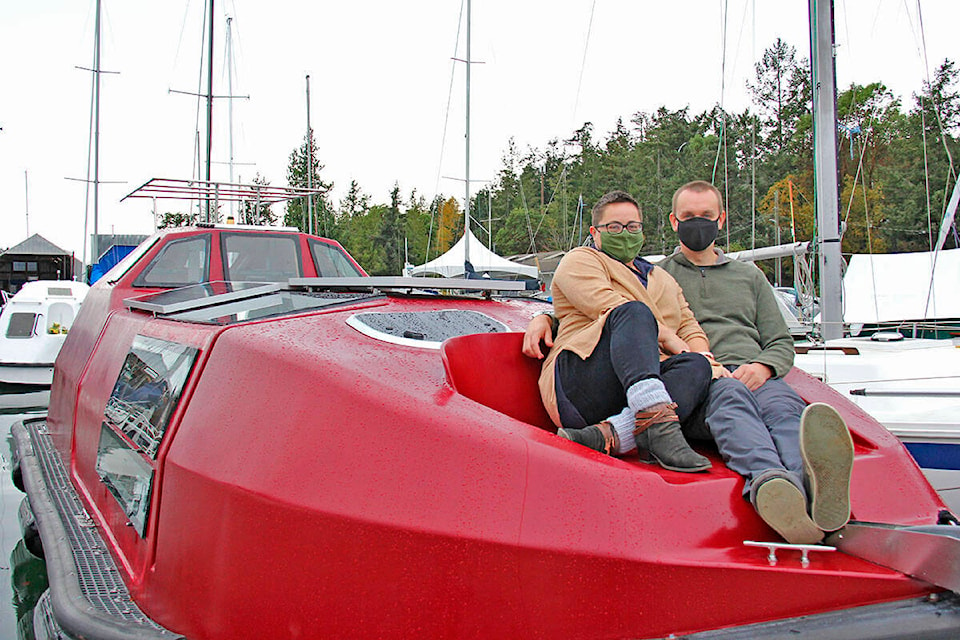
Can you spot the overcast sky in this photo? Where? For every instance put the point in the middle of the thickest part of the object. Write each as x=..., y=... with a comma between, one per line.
x=380, y=80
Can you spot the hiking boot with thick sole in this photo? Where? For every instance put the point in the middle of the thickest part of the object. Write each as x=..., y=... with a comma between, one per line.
x=660, y=440
x=782, y=506
x=599, y=437
x=827, y=451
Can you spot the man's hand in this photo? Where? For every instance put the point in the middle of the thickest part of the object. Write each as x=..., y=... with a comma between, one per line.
x=670, y=343
x=753, y=375
x=540, y=328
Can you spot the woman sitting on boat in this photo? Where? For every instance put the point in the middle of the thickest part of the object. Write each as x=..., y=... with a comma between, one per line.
x=625, y=372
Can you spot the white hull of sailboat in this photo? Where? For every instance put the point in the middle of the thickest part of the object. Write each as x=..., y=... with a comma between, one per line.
x=911, y=386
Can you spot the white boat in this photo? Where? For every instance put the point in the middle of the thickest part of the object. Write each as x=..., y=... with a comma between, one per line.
x=910, y=385
x=33, y=326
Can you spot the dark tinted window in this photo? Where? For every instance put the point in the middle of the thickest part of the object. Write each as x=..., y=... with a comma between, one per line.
x=331, y=261
x=21, y=325
x=250, y=257
x=179, y=263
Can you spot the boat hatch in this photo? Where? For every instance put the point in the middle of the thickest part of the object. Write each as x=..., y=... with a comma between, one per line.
x=232, y=302
x=425, y=329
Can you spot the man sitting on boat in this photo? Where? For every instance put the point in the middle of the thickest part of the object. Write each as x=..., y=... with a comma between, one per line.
x=605, y=383
x=796, y=460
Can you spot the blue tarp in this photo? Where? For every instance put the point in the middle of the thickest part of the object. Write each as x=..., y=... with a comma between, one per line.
x=112, y=256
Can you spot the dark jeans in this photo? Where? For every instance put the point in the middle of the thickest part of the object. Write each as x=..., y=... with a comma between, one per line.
x=594, y=389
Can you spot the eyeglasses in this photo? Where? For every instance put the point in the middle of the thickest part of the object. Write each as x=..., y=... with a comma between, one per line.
x=618, y=227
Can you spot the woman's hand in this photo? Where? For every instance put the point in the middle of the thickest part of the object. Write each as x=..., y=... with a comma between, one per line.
x=540, y=328
x=670, y=343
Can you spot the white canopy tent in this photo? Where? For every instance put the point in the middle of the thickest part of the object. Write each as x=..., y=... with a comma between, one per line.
x=484, y=261
x=898, y=286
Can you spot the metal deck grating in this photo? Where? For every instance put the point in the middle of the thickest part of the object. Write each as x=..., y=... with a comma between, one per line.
x=97, y=573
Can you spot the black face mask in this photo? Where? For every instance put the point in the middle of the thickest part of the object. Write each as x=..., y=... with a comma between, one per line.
x=697, y=234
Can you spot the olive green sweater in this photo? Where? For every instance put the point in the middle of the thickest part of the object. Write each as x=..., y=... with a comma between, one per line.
x=736, y=308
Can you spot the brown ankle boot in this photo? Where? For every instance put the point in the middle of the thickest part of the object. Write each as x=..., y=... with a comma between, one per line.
x=658, y=437
x=599, y=437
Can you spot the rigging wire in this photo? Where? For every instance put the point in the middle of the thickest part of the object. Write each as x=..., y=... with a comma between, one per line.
x=563, y=156
x=936, y=110
x=86, y=198
x=443, y=137
x=583, y=61
x=943, y=139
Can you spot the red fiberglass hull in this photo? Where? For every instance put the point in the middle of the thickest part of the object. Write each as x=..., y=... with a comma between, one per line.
x=317, y=482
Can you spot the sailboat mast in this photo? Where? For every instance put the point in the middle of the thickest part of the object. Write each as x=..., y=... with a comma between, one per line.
x=825, y=164
x=309, y=165
x=230, y=98
x=209, y=102
x=95, y=249
x=466, y=182
x=26, y=200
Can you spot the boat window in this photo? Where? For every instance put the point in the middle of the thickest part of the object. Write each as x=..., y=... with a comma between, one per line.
x=147, y=391
x=127, y=475
x=21, y=325
x=260, y=257
x=59, y=318
x=426, y=329
x=331, y=261
x=59, y=291
x=137, y=414
x=179, y=263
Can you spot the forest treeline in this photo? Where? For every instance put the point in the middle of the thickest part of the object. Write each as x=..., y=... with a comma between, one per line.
x=897, y=170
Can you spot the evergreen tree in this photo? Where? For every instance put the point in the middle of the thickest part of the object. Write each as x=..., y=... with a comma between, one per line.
x=389, y=238
x=252, y=213
x=296, y=211
x=354, y=202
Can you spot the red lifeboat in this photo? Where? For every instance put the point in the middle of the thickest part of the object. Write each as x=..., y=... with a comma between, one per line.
x=359, y=456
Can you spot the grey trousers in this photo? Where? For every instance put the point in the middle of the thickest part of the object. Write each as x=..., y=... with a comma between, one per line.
x=757, y=432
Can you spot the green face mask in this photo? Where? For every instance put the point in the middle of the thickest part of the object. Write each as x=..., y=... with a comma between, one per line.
x=623, y=246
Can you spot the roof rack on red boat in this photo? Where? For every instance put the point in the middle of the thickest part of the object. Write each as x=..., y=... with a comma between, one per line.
x=173, y=189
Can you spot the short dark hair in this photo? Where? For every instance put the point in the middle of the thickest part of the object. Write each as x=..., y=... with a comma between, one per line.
x=611, y=198
x=697, y=186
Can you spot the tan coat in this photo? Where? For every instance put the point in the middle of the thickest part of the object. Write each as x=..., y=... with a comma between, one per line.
x=587, y=285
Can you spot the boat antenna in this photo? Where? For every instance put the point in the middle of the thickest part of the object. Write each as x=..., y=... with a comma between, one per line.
x=823, y=69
